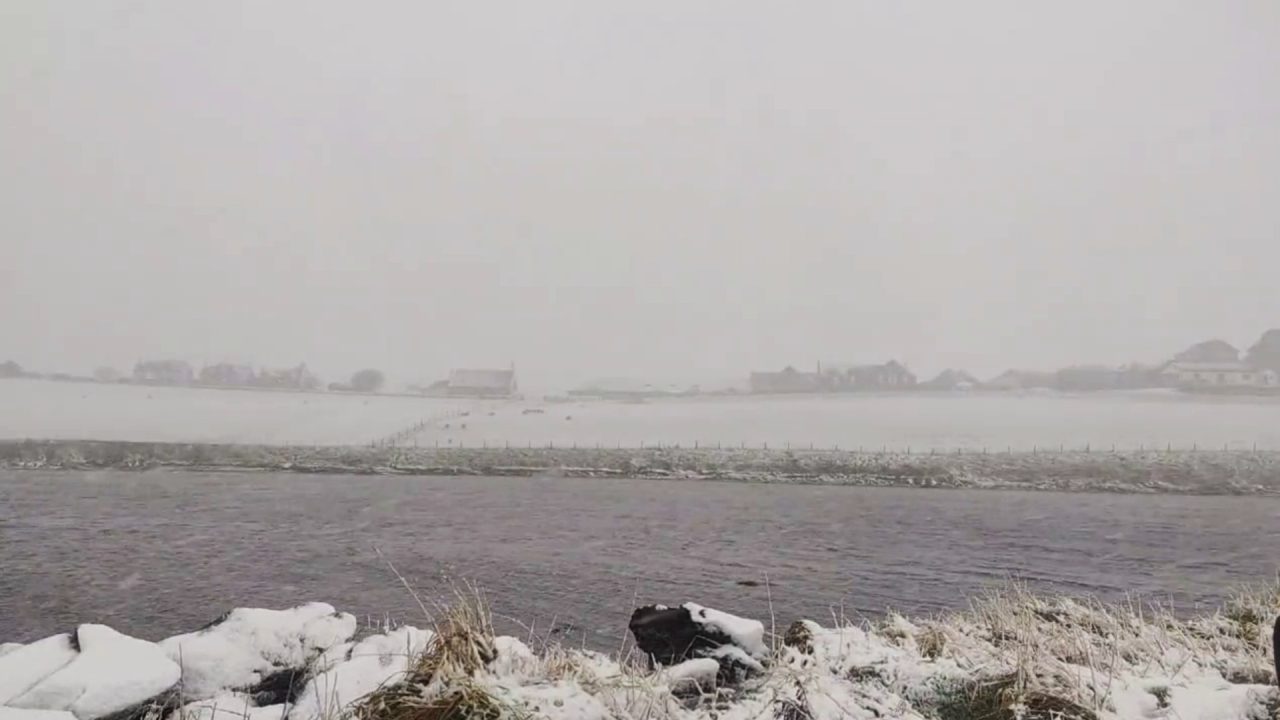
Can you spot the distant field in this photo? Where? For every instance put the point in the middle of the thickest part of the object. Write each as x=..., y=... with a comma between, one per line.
x=33, y=409
x=37, y=409
x=894, y=422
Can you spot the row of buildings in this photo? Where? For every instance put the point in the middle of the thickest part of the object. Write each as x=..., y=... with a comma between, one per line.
x=460, y=383
x=1210, y=366
x=181, y=372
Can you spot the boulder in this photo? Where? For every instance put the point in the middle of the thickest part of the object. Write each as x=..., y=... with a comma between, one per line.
x=672, y=636
x=110, y=673
x=265, y=654
x=1275, y=648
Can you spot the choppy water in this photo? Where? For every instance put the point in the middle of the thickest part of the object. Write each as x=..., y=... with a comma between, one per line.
x=158, y=553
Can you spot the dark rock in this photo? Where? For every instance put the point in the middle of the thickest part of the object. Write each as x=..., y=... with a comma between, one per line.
x=1275, y=648
x=669, y=636
x=800, y=637
x=281, y=686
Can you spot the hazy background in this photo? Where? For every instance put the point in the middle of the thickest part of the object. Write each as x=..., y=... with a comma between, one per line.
x=676, y=190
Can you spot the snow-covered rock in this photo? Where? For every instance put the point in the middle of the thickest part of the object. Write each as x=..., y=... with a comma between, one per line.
x=22, y=666
x=250, y=645
x=670, y=636
x=746, y=634
x=376, y=661
x=6, y=648
x=110, y=673
x=699, y=672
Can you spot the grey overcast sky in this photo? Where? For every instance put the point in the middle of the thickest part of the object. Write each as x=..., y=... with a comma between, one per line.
x=663, y=189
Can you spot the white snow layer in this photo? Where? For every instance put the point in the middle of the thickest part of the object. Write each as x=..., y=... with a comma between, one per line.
x=699, y=671
x=8, y=713
x=228, y=706
x=24, y=666
x=6, y=648
x=1120, y=666
x=746, y=634
x=371, y=663
x=252, y=643
x=110, y=673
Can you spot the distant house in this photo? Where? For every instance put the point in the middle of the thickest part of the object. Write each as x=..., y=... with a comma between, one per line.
x=164, y=372
x=788, y=380
x=228, y=374
x=1221, y=375
x=481, y=383
x=952, y=380
x=294, y=378
x=1020, y=380
x=892, y=375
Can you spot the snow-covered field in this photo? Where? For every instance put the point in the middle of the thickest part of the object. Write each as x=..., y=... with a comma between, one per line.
x=89, y=411
x=1153, y=419
x=895, y=422
x=1013, y=656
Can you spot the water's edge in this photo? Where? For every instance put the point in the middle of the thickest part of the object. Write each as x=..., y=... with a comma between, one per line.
x=1182, y=472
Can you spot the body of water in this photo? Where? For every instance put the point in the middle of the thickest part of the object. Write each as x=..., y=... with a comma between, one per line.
x=157, y=553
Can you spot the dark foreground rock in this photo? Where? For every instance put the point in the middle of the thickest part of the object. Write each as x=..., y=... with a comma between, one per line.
x=670, y=636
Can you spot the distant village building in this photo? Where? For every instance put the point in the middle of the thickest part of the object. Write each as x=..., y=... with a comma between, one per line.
x=164, y=372
x=228, y=374
x=294, y=378
x=788, y=380
x=1020, y=380
x=952, y=380
x=1221, y=375
x=834, y=378
x=892, y=375
x=481, y=383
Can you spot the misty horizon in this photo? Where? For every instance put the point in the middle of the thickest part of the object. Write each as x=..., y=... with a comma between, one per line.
x=673, y=193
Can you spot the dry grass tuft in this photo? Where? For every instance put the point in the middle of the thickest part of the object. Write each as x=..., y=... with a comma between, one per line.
x=441, y=683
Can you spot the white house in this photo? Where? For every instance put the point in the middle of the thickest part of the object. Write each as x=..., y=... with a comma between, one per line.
x=1221, y=375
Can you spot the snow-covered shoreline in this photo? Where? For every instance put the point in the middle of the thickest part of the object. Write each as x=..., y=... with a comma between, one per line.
x=1013, y=655
x=1154, y=471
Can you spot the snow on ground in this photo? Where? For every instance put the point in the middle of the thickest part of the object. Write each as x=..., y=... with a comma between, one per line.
x=369, y=664
x=8, y=713
x=90, y=411
x=110, y=672
x=921, y=421
x=22, y=666
x=1012, y=653
x=251, y=643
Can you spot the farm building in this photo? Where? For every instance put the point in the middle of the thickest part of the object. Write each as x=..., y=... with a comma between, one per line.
x=481, y=383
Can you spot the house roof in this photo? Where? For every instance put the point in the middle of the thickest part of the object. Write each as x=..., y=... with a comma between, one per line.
x=491, y=379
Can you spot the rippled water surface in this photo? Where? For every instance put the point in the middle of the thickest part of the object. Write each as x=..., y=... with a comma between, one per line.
x=158, y=553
